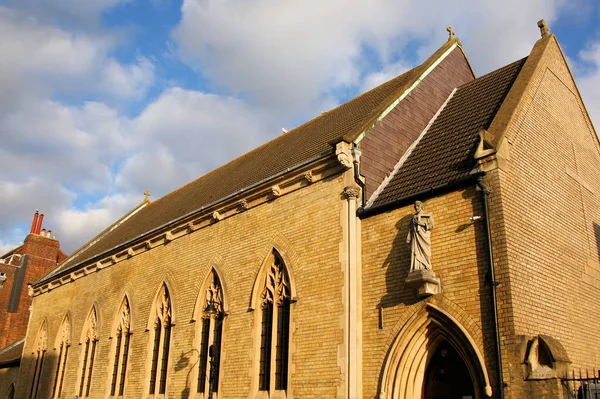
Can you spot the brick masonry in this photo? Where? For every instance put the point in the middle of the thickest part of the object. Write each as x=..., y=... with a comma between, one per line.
x=304, y=225
x=545, y=223
x=42, y=253
x=459, y=260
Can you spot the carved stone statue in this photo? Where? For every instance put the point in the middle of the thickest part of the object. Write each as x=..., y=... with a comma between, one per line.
x=419, y=238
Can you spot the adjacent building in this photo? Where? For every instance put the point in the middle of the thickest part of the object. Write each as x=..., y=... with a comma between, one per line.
x=38, y=255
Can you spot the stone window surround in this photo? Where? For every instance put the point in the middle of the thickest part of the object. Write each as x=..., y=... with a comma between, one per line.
x=121, y=325
x=256, y=301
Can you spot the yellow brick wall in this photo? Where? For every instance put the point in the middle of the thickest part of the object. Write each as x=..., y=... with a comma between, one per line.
x=459, y=259
x=304, y=224
x=547, y=222
x=8, y=376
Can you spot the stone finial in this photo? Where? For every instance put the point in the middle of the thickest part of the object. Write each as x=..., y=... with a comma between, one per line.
x=543, y=27
x=146, y=195
x=451, y=33
x=243, y=204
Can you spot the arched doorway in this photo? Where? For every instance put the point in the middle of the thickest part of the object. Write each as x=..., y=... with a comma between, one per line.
x=447, y=376
x=433, y=356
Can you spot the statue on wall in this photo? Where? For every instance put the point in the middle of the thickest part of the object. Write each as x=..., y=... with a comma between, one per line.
x=419, y=239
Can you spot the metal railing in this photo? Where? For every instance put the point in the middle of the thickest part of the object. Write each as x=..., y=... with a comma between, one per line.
x=582, y=385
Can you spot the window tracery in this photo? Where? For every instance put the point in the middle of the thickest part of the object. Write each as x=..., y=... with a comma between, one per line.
x=63, y=345
x=39, y=351
x=275, y=326
x=210, y=333
x=89, y=353
x=161, y=342
x=122, y=339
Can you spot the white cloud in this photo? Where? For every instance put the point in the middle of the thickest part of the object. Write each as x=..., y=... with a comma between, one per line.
x=127, y=81
x=73, y=12
x=43, y=59
x=286, y=60
x=75, y=226
x=588, y=80
x=388, y=72
x=289, y=55
x=184, y=134
x=92, y=165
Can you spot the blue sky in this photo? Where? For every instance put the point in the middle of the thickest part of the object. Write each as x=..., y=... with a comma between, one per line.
x=103, y=99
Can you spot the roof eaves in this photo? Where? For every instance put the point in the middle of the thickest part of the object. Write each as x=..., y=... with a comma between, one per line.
x=380, y=112
x=124, y=244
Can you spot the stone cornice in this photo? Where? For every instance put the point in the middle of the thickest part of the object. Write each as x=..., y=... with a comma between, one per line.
x=269, y=190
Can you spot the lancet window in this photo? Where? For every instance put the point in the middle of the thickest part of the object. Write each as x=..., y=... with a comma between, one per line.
x=275, y=327
x=39, y=352
x=90, y=339
x=63, y=343
x=210, y=333
x=161, y=337
x=121, y=339
x=11, y=392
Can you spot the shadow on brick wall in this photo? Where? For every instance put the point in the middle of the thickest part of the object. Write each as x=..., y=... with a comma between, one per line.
x=42, y=386
x=397, y=265
x=597, y=236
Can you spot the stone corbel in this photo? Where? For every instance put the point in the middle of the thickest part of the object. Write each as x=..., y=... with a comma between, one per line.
x=343, y=151
x=276, y=191
x=308, y=176
x=216, y=216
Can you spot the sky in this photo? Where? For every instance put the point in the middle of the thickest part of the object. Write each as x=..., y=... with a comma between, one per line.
x=101, y=100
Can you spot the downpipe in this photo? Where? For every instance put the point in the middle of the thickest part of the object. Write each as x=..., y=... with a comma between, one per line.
x=485, y=193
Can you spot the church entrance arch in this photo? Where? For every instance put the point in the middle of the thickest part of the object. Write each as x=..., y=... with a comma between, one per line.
x=447, y=376
x=434, y=357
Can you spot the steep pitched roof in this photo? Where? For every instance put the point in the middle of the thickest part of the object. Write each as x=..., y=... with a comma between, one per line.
x=445, y=152
x=311, y=140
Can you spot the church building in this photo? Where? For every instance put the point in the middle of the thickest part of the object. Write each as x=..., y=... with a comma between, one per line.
x=435, y=237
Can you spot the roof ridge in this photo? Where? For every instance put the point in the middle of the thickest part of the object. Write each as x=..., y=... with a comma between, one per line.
x=314, y=138
x=393, y=95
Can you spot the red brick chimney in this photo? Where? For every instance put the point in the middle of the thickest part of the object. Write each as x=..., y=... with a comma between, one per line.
x=38, y=256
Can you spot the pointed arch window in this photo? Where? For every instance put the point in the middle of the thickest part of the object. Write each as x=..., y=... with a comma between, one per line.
x=275, y=326
x=11, y=392
x=161, y=338
x=210, y=333
x=39, y=353
x=90, y=339
x=63, y=343
x=121, y=338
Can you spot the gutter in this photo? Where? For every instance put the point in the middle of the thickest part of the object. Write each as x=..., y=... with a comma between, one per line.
x=363, y=212
x=485, y=193
x=156, y=229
